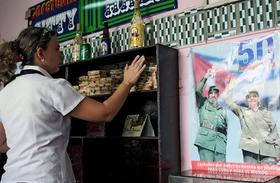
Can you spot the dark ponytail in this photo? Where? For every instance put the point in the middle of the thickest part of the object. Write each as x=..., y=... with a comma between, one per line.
x=22, y=50
x=8, y=56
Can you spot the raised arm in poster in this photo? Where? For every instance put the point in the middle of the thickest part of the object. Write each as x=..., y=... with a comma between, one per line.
x=247, y=75
x=211, y=139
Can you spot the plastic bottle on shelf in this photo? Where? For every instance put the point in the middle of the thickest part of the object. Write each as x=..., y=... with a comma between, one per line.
x=78, y=41
x=148, y=33
x=105, y=45
x=136, y=27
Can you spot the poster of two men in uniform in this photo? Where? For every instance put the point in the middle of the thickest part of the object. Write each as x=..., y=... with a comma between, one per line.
x=234, y=113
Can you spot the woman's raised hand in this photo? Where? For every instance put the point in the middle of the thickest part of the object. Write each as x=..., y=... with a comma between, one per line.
x=133, y=71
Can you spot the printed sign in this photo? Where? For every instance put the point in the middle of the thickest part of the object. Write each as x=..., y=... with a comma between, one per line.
x=116, y=12
x=63, y=15
x=59, y=15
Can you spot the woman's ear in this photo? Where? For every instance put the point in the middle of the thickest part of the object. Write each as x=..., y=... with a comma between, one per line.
x=40, y=54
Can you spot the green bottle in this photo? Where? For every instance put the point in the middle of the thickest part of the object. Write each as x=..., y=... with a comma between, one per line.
x=85, y=52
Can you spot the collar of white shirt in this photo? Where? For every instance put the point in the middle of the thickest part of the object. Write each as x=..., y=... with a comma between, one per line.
x=37, y=68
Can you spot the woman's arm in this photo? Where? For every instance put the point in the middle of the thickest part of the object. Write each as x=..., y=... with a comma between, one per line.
x=94, y=111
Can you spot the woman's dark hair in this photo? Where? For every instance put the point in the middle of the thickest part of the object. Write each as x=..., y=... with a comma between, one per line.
x=22, y=50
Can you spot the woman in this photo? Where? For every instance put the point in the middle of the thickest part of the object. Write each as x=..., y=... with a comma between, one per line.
x=35, y=108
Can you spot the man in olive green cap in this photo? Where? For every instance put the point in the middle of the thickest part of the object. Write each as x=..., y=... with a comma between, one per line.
x=211, y=139
x=259, y=141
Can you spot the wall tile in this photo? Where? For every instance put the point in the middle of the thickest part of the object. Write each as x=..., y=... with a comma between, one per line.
x=198, y=25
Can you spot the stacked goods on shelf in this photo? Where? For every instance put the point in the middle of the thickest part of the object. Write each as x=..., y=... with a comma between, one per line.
x=100, y=82
x=148, y=79
x=117, y=77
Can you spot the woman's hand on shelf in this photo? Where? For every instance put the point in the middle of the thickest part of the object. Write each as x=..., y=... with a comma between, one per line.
x=133, y=71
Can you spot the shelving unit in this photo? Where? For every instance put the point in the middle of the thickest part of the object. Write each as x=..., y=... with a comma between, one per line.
x=113, y=158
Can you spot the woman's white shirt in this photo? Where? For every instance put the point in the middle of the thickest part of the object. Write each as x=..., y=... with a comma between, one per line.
x=34, y=110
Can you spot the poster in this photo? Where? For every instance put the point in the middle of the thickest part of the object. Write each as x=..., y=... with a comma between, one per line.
x=246, y=73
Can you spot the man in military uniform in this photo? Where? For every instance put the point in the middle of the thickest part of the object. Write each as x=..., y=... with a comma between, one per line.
x=259, y=141
x=211, y=139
